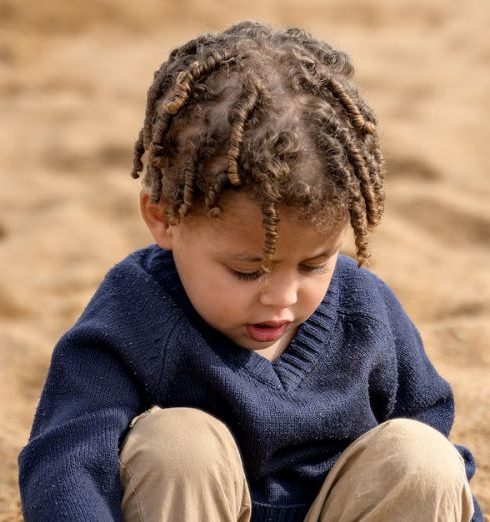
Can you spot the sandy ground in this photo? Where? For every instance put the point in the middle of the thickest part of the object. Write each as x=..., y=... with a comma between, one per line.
x=73, y=80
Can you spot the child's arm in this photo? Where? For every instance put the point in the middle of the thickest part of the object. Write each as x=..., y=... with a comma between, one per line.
x=422, y=394
x=104, y=372
x=69, y=470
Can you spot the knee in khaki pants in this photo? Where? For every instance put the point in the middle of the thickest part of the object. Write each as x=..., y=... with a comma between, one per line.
x=179, y=464
x=176, y=441
x=401, y=470
x=414, y=449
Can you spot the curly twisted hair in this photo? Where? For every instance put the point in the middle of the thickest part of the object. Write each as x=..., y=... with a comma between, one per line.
x=273, y=113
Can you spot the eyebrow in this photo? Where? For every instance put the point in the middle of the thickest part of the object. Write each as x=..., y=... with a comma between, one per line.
x=248, y=258
x=244, y=257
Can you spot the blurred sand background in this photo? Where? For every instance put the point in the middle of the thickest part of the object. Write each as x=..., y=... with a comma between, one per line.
x=73, y=81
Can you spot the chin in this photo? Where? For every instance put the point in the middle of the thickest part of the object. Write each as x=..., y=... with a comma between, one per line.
x=258, y=346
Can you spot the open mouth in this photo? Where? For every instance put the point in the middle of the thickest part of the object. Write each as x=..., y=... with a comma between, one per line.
x=267, y=331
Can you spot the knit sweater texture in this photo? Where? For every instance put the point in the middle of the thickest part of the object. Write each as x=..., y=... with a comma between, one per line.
x=356, y=362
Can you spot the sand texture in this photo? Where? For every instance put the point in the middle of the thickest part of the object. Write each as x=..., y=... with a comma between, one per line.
x=73, y=81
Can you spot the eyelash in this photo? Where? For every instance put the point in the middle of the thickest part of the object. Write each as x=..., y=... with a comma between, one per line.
x=252, y=276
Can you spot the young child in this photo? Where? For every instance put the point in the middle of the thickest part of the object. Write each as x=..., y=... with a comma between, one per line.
x=241, y=369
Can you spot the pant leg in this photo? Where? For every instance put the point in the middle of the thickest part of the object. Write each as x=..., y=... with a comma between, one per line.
x=403, y=471
x=181, y=464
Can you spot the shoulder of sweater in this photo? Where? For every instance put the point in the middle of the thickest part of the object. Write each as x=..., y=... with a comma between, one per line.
x=132, y=277
x=363, y=293
x=129, y=298
x=130, y=319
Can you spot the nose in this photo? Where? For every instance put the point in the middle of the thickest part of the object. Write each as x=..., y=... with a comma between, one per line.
x=279, y=291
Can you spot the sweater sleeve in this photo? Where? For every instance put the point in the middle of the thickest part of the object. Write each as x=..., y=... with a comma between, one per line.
x=422, y=394
x=69, y=470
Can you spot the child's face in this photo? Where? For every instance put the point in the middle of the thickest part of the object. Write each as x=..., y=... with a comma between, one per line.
x=218, y=262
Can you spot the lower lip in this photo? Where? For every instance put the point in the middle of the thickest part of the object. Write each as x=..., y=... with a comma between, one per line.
x=266, y=334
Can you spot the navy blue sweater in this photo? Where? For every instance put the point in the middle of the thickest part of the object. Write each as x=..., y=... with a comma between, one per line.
x=355, y=363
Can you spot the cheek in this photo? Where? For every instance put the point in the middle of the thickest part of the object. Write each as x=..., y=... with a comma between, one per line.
x=233, y=298
x=219, y=299
x=315, y=292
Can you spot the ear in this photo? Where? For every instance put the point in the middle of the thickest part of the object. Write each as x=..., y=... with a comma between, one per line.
x=156, y=221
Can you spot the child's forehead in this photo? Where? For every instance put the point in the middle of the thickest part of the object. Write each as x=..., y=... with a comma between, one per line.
x=241, y=220
x=238, y=235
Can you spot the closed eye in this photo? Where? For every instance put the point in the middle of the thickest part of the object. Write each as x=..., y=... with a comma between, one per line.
x=246, y=276
x=317, y=268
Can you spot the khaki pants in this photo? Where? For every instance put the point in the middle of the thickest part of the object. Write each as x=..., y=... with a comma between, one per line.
x=182, y=464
